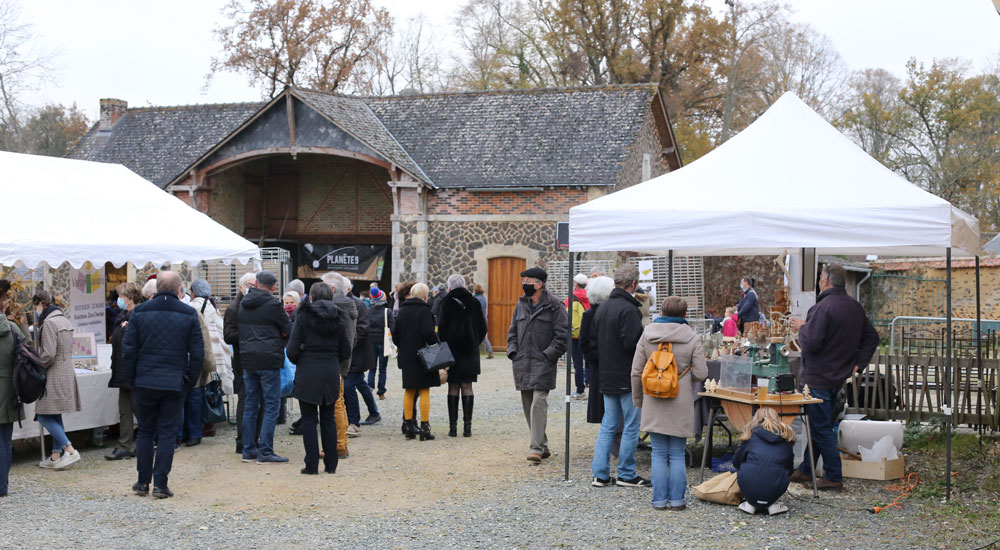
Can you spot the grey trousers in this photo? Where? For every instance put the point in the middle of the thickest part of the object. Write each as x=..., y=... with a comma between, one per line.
x=536, y=412
x=126, y=428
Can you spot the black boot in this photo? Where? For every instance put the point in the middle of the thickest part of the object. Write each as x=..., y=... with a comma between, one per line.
x=425, y=431
x=410, y=429
x=453, y=415
x=467, y=402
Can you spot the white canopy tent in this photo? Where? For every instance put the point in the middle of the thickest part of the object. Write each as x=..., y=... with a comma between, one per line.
x=78, y=211
x=789, y=181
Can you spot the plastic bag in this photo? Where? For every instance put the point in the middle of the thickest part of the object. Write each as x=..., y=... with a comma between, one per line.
x=287, y=377
x=883, y=448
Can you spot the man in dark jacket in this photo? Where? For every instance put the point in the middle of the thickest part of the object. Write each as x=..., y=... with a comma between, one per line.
x=379, y=311
x=264, y=327
x=616, y=330
x=837, y=340
x=162, y=352
x=535, y=341
x=361, y=361
x=748, y=308
x=231, y=335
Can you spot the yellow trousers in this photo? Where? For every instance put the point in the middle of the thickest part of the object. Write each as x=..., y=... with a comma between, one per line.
x=409, y=396
x=340, y=415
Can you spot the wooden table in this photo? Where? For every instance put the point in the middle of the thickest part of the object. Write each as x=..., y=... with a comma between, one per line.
x=740, y=407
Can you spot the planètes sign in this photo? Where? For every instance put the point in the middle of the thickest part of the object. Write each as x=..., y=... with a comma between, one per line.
x=355, y=261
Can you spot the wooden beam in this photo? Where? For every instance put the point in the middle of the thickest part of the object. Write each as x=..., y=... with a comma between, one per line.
x=290, y=109
x=271, y=151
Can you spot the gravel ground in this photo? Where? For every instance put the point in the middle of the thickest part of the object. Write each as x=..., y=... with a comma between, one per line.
x=452, y=492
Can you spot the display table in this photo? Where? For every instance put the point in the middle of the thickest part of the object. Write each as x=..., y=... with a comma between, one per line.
x=98, y=407
x=740, y=407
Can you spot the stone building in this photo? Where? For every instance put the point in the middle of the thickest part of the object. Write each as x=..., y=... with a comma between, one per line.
x=398, y=188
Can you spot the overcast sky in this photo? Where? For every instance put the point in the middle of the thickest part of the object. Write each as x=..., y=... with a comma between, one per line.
x=159, y=53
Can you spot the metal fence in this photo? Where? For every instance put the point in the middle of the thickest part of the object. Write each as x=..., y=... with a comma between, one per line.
x=558, y=270
x=688, y=283
x=224, y=279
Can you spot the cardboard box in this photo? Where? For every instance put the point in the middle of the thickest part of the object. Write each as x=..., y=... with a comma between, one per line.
x=882, y=471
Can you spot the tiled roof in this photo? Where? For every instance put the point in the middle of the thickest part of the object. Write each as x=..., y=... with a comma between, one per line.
x=516, y=138
x=158, y=143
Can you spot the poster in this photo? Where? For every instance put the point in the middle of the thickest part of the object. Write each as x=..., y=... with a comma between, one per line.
x=645, y=270
x=363, y=262
x=86, y=301
x=650, y=288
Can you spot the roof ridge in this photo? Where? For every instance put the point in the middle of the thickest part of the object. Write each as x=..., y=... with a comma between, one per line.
x=526, y=91
x=196, y=106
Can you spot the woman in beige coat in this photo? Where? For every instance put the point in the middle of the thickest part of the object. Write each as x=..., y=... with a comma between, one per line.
x=55, y=347
x=669, y=422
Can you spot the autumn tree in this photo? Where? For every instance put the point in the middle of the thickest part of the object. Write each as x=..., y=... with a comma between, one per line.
x=319, y=44
x=24, y=67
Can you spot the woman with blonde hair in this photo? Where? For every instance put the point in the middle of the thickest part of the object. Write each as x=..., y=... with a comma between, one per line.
x=764, y=461
x=415, y=330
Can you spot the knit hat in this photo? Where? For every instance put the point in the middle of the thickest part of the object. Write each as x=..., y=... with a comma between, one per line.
x=375, y=293
x=201, y=289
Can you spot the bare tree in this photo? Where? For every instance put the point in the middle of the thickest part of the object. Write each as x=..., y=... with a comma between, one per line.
x=23, y=68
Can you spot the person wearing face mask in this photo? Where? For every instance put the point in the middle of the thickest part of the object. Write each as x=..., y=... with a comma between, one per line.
x=535, y=341
x=290, y=301
x=231, y=335
x=129, y=296
x=55, y=347
x=748, y=309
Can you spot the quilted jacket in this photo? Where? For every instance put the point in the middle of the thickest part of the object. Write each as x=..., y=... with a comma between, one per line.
x=163, y=348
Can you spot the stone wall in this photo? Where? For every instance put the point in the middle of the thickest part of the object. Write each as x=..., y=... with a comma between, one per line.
x=963, y=289
x=646, y=143
x=722, y=276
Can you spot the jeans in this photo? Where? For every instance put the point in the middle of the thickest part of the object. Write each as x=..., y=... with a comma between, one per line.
x=381, y=365
x=824, y=439
x=579, y=372
x=668, y=471
x=322, y=414
x=615, y=407
x=54, y=424
x=6, y=454
x=190, y=425
x=158, y=411
x=261, y=385
x=356, y=381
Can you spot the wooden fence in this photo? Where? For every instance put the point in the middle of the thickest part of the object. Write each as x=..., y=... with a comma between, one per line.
x=911, y=388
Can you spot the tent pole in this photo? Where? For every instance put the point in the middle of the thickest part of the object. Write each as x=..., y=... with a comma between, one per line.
x=569, y=360
x=670, y=273
x=979, y=357
x=947, y=386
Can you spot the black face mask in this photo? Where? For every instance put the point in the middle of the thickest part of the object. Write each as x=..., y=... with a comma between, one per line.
x=529, y=290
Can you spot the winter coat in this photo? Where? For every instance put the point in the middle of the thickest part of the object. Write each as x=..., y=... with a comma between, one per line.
x=415, y=330
x=208, y=356
x=463, y=326
x=118, y=378
x=673, y=416
x=729, y=328
x=748, y=309
x=481, y=298
x=319, y=342
x=264, y=326
x=348, y=306
x=231, y=333
x=645, y=305
x=9, y=412
x=595, y=401
x=377, y=318
x=362, y=356
x=163, y=348
x=616, y=328
x=55, y=347
x=763, y=464
x=220, y=351
x=535, y=341
x=836, y=337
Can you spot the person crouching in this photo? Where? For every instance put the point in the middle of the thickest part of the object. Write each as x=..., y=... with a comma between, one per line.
x=763, y=462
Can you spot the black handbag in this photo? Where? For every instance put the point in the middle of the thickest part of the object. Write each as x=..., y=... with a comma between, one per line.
x=213, y=405
x=436, y=356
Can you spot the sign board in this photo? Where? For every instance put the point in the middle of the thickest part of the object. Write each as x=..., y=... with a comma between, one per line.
x=562, y=236
x=86, y=302
x=646, y=270
x=363, y=262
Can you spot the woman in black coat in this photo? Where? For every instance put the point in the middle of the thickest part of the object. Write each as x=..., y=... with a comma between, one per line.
x=129, y=296
x=415, y=330
x=598, y=290
x=319, y=342
x=463, y=325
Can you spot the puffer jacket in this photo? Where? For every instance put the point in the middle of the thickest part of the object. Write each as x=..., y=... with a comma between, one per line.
x=9, y=412
x=318, y=344
x=661, y=415
x=163, y=347
x=264, y=327
x=377, y=318
x=763, y=464
x=535, y=341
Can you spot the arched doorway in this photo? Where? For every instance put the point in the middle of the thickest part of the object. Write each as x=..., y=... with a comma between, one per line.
x=504, y=291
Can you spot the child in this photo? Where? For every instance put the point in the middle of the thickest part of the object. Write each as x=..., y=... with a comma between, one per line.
x=764, y=461
x=729, y=323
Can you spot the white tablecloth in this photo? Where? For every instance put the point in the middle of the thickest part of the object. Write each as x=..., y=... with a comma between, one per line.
x=99, y=407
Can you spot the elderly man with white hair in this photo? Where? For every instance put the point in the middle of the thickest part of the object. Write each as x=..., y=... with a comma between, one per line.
x=339, y=287
x=231, y=335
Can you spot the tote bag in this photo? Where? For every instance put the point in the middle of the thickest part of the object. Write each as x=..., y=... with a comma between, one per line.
x=388, y=348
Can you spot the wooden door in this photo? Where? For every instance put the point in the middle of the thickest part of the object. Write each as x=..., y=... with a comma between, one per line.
x=502, y=295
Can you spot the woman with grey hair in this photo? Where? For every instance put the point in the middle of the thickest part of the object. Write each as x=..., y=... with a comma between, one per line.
x=463, y=326
x=598, y=290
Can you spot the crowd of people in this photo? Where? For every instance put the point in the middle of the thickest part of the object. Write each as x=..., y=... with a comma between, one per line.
x=168, y=342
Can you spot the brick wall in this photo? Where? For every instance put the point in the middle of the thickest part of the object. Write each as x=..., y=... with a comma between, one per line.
x=548, y=202
x=227, y=199
x=331, y=194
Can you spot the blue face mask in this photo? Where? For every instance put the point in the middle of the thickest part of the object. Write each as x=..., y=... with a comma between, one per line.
x=121, y=303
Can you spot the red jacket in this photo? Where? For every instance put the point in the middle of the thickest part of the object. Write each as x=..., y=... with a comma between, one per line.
x=580, y=295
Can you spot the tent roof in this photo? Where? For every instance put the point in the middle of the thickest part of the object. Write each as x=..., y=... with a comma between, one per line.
x=78, y=211
x=790, y=180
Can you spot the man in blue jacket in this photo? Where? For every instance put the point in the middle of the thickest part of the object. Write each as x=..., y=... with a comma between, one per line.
x=162, y=352
x=837, y=340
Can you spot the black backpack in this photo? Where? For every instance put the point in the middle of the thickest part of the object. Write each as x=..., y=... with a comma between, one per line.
x=29, y=373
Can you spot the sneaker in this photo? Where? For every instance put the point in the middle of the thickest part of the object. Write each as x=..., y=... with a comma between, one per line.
x=249, y=457
x=634, y=482
x=271, y=458
x=47, y=463
x=353, y=430
x=66, y=459
x=748, y=508
x=162, y=492
x=372, y=419
x=598, y=482
x=777, y=508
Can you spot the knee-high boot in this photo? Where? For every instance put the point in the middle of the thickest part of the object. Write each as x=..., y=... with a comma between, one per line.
x=452, y=415
x=467, y=402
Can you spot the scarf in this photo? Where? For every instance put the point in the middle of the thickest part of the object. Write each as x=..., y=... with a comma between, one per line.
x=664, y=319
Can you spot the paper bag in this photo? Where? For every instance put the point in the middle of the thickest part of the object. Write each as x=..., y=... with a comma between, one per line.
x=721, y=489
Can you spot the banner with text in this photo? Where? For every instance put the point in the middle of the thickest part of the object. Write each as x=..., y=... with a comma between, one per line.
x=363, y=262
x=86, y=302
